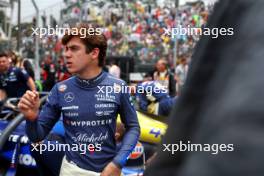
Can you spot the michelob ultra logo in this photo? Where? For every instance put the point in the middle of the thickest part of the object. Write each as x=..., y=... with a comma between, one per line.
x=137, y=151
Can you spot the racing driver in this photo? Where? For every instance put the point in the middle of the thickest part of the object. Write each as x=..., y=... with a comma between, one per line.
x=89, y=111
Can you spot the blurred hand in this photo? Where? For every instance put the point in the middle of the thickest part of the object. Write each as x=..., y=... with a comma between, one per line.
x=29, y=105
x=111, y=170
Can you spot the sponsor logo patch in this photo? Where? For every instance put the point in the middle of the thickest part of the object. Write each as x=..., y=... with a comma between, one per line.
x=137, y=151
x=62, y=88
x=69, y=97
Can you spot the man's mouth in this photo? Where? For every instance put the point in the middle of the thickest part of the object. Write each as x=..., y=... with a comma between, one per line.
x=68, y=64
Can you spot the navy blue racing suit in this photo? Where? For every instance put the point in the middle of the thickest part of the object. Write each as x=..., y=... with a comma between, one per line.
x=14, y=82
x=89, y=117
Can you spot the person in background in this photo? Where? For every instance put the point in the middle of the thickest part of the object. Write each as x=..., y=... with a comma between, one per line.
x=48, y=74
x=26, y=65
x=14, y=82
x=165, y=77
x=13, y=58
x=61, y=71
x=181, y=74
x=114, y=69
x=153, y=98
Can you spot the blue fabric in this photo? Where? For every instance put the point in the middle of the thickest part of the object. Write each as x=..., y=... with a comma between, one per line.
x=14, y=82
x=48, y=163
x=89, y=117
x=148, y=87
x=165, y=105
x=159, y=93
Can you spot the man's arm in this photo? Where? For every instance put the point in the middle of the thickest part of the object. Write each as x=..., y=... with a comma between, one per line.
x=129, y=118
x=31, y=84
x=142, y=101
x=23, y=75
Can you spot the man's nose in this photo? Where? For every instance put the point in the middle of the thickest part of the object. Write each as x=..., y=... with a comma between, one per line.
x=67, y=54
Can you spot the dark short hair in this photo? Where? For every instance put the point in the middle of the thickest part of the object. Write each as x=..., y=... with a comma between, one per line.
x=3, y=54
x=90, y=41
x=13, y=57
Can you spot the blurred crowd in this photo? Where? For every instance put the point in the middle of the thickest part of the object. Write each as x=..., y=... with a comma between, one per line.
x=138, y=32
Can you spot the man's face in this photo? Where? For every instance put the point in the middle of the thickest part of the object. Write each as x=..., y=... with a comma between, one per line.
x=4, y=64
x=77, y=60
x=160, y=66
x=48, y=60
x=184, y=61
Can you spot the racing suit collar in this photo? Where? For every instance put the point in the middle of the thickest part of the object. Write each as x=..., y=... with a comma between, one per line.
x=88, y=83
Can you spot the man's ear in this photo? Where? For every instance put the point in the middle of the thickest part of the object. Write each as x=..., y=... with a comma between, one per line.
x=95, y=53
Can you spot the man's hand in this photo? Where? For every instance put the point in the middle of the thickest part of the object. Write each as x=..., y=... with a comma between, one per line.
x=29, y=105
x=2, y=95
x=111, y=170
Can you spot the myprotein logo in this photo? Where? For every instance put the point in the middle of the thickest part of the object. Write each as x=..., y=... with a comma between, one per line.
x=87, y=123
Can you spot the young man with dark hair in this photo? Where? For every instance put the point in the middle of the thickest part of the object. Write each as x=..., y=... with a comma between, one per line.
x=14, y=82
x=89, y=111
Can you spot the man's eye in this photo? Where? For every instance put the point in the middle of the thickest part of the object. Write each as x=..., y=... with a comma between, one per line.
x=74, y=48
